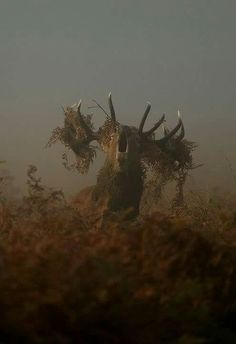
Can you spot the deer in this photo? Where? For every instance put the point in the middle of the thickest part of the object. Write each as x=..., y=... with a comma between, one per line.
x=131, y=152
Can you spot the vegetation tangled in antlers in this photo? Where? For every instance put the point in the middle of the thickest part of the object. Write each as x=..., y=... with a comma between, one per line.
x=78, y=133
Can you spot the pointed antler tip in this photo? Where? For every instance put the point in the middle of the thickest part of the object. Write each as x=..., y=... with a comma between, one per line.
x=112, y=110
x=79, y=104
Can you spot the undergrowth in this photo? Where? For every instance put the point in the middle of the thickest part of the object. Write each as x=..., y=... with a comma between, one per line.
x=164, y=278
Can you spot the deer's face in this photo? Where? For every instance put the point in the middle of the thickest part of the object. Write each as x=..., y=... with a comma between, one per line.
x=123, y=149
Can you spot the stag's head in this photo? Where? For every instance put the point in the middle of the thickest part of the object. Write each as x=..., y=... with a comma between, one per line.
x=129, y=150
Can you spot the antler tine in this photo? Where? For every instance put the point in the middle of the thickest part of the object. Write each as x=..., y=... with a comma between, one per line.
x=82, y=122
x=182, y=132
x=181, y=135
x=148, y=108
x=172, y=132
x=112, y=110
x=79, y=107
x=156, y=126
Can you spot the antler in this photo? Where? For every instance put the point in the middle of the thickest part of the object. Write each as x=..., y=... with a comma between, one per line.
x=154, y=128
x=112, y=110
x=140, y=130
x=167, y=134
x=89, y=132
x=170, y=134
x=182, y=131
x=79, y=122
x=75, y=119
x=111, y=107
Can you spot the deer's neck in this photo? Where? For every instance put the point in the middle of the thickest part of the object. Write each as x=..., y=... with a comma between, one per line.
x=121, y=188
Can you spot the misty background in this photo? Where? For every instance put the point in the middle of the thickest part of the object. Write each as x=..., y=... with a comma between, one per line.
x=175, y=54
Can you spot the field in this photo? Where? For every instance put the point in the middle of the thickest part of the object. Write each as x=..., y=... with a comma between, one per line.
x=164, y=278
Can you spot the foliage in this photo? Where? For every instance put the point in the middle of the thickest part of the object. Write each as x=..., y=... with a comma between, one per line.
x=42, y=210
x=164, y=161
x=159, y=279
x=74, y=138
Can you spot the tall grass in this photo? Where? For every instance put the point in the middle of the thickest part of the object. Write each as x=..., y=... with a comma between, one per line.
x=161, y=279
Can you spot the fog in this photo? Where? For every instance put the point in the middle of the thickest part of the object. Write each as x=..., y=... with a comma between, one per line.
x=175, y=54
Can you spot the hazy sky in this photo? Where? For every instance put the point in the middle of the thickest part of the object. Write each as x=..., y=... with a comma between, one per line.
x=174, y=53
